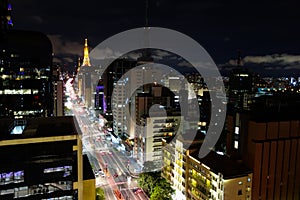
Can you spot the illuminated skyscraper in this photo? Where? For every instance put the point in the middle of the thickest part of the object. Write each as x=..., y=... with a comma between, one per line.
x=100, y=103
x=240, y=87
x=25, y=74
x=114, y=84
x=5, y=15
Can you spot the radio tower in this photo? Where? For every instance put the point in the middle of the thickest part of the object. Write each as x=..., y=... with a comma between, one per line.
x=86, y=58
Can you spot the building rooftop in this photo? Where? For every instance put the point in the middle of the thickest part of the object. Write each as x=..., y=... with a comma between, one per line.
x=266, y=108
x=37, y=127
x=223, y=164
x=192, y=141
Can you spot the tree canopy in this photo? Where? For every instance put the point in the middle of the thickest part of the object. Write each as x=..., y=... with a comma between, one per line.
x=155, y=186
x=100, y=194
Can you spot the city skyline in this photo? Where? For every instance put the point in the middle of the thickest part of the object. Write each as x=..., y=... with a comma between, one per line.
x=266, y=34
x=152, y=99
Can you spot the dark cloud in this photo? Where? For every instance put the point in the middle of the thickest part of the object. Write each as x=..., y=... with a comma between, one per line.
x=221, y=27
x=267, y=65
x=64, y=46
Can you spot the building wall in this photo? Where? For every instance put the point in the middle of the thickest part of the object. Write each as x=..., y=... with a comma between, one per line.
x=168, y=160
x=89, y=189
x=179, y=171
x=87, y=94
x=230, y=135
x=194, y=180
x=58, y=99
x=119, y=109
x=198, y=180
x=238, y=188
x=274, y=154
x=157, y=128
x=79, y=85
x=203, y=183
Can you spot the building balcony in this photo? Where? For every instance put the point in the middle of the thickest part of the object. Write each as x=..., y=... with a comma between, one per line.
x=199, y=189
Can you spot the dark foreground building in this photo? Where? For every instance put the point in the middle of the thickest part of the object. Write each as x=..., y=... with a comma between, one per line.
x=41, y=158
x=267, y=139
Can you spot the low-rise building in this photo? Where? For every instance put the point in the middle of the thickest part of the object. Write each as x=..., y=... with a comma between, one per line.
x=215, y=176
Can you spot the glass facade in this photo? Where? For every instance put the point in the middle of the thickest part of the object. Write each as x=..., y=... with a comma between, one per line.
x=25, y=75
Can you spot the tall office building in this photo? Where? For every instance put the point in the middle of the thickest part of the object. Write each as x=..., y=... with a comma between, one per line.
x=58, y=92
x=100, y=103
x=118, y=80
x=41, y=158
x=267, y=139
x=150, y=123
x=156, y=94
x=204, y=101
x=111, y=76
x=240, y=91
x=5, y=15
x=115, y=84
x=25, y=74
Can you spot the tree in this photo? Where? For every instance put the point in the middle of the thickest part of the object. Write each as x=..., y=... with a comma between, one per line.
x=162, y=190
x=146, y=182
x=100, y=194
x=159, y=193
x=153, y=184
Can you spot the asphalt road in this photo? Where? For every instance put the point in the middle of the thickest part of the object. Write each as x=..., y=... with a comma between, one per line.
x=103, y=155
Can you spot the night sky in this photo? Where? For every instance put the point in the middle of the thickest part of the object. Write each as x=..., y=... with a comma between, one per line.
x=267, y=32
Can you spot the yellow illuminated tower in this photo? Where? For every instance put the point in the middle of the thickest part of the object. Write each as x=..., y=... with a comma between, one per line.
x=86, y=58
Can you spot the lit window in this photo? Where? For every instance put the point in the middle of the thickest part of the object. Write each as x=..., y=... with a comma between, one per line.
x=236, y=144
x=237, y=130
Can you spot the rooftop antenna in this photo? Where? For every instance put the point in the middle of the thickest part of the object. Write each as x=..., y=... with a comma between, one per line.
x=146, y=28
x=147, y=14
x=239, y=58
